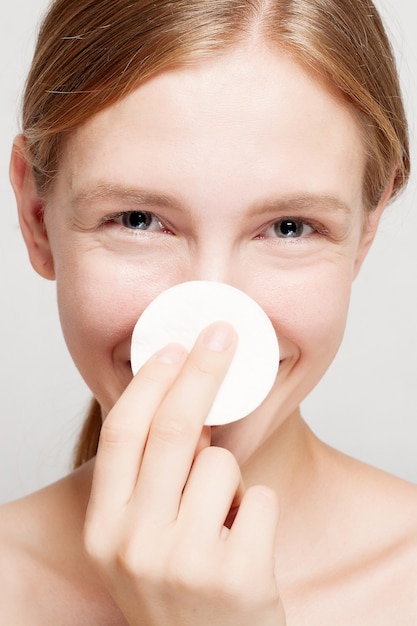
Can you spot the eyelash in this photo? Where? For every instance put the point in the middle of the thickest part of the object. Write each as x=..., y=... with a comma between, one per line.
x=316, y=228
x=120, y=218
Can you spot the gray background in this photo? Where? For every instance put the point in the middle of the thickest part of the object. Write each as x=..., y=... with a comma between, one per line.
x=365, y=405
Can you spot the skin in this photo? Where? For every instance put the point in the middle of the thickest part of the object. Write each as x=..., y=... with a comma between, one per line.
x=221, y=155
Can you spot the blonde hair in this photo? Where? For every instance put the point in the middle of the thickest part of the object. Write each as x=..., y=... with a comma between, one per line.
x=91, y=53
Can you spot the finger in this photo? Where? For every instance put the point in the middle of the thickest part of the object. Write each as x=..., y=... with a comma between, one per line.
x=213, y=487
x=177, y=426
x=125, y=429
x=252, y=537
x=204, y=440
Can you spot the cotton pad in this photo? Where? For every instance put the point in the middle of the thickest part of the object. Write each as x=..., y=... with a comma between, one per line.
x=180, y=313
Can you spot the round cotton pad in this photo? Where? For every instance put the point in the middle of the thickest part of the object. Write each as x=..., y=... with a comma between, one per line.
x=180, y=313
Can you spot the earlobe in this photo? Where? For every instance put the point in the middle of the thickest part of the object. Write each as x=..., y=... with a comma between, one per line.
x=371, y=225
x=31, y=211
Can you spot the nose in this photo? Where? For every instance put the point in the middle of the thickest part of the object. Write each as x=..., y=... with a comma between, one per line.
x=215, y=263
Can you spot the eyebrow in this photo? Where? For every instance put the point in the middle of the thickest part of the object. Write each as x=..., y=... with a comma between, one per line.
x=302, y=202
x=143, y=197
x=133, y=195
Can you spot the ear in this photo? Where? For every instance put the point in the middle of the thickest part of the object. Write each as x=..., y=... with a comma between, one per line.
x=31, y=211
x=370, y=226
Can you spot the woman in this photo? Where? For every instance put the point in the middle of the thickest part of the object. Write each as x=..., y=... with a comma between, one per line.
x=254, y=143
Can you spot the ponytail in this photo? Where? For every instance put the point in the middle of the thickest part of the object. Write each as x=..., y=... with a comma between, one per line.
x=87, y=444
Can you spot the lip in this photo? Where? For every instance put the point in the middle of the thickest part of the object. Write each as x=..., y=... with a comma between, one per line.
x=129, y=364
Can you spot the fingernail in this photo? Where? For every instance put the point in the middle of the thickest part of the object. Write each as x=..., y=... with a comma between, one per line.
x=218, y=337
x=170, y=354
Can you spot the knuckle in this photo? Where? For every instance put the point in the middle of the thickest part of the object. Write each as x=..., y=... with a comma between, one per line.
x=151, y=376
x=264, y=498
x=186, y=572
x=223, y=467
x=130, y=559
x=237, y=590
x=206, y=366
x=170, y=430
x=221, y=458
x=211, y=364
x=126, y=560
x=250, y=587
x=125, y=553
x=114, y=434
x=233, y=584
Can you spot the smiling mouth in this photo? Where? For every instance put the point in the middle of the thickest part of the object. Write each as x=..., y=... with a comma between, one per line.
x=129, y=363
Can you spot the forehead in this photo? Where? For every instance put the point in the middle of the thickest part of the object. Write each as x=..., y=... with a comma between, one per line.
x=252, y=112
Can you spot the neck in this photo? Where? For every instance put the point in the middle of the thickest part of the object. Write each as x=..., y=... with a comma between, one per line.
x=281, y=458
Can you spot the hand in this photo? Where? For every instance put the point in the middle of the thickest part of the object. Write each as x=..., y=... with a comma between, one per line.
x=155, y=525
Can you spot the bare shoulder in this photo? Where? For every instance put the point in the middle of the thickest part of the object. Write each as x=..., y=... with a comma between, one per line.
x=384, y=497
x=41, y=548
x=382, y=511
x=20, y=575
x=381, y=507
x=360, y=565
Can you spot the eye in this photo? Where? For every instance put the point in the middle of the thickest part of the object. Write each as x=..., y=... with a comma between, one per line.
x=139, y=220
x=289, y=229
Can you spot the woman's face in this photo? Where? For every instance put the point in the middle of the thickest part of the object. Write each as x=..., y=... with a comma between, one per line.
x=244, y=170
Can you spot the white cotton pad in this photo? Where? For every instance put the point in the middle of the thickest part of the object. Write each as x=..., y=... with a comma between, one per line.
x=180, y=313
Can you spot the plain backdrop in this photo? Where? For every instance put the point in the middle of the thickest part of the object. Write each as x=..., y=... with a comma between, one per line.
x=365, y=405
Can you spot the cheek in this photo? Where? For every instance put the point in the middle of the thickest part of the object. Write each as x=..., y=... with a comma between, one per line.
x=96, y=318
x=308, y=311
x=99, y=303
x=93, y=309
